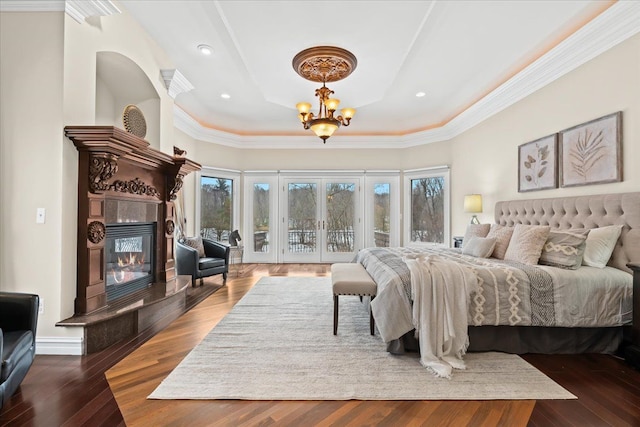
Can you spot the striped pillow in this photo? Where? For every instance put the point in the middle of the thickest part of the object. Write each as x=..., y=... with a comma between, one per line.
x=564, y=249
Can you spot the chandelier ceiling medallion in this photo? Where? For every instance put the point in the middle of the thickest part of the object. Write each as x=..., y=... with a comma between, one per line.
x=324, y=64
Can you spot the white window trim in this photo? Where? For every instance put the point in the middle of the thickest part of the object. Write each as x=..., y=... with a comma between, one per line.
x=412, y=174
x=234, y=175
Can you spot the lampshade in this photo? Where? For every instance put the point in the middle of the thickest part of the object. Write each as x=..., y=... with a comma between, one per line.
x=332, y=104
x=324, y=128
x=473, y=203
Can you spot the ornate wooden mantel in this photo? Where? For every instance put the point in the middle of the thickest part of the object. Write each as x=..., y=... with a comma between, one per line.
x=114, y=164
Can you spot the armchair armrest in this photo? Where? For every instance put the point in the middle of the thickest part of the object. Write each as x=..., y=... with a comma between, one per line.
x=216, y=249
x=186, y=259
x=18, y=312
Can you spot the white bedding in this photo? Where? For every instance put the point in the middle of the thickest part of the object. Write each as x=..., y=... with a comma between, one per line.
x=587, y=297
x=592, y=296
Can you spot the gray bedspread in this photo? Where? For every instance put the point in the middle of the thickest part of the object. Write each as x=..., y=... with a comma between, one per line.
x=508, y=293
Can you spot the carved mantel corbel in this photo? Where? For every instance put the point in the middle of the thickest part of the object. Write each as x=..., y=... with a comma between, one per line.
x=102, y=167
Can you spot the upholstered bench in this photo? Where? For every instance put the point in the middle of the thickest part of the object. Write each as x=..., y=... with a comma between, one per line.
x=351, y=279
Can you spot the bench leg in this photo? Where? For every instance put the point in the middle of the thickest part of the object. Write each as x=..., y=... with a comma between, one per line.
x=335, y=315
x=372, y=323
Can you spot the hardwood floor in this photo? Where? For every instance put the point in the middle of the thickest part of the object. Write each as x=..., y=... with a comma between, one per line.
x=75, y=390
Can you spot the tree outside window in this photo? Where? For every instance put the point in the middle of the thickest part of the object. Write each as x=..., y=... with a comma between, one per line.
x=216, y=209
x=427, y=210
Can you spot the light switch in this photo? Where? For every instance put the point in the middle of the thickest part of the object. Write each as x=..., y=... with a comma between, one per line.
x=40, y=215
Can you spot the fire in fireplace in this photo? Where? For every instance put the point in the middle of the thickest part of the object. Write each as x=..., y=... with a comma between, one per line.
x=128, y=258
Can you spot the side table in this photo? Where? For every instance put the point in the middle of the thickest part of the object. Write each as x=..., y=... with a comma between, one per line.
x=236, y=254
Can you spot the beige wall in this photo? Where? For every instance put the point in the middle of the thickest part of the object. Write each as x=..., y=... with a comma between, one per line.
x=485, y=158
x=31, y=176
x=48, y=81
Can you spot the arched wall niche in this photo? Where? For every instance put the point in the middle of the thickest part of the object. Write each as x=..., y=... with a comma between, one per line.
x=120, y=82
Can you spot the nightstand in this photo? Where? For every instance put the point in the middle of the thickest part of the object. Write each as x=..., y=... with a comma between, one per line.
x=457, y=241
x=632, y=352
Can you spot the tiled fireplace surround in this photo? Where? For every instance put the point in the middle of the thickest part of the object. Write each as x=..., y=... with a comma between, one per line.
x=123, y=180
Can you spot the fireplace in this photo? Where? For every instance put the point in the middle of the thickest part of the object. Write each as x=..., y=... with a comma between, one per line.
x=128, y=258
x=126, y=279
x=126, y=215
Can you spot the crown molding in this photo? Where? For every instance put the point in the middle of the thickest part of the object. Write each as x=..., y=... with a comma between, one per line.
x=175, y=82
x=77, y=9
x=616, y=24
x=32, y=6
x=83, y=9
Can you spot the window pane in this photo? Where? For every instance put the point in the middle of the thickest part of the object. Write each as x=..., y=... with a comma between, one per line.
x=261, y=217
x=340, y=217
x=381, y=214
x=302, y=218
x=427, y=210
x=216, y=215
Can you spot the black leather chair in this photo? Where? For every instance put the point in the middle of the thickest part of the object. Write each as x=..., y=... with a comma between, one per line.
x=215, y=261
x=18, y=322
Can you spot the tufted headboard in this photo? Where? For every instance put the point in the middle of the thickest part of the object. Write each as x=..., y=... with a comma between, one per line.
x=582, y=212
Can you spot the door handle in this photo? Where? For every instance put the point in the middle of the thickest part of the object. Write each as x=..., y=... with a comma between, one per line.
x=323, y=224
x=318, y=224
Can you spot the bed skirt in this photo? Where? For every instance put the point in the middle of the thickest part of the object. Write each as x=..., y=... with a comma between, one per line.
x=529, y=339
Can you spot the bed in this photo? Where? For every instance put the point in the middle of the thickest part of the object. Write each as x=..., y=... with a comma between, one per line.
x=531, y=309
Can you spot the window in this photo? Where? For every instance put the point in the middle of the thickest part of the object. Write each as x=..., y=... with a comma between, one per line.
x=382, y=214
x=218, y=204
x=427, y=206
x=260, y=216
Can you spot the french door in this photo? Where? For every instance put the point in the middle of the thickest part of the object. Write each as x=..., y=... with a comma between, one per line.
x=321, y=219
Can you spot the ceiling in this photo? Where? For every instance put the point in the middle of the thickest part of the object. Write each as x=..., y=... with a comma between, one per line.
x=456, y=52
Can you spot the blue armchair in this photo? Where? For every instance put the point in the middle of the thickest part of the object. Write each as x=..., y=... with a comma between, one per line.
x=18, y=322
x=214, y=261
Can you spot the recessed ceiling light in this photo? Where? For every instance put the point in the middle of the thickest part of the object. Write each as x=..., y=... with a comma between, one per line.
x=420, y=94
x=225, y=96
x=205, y=49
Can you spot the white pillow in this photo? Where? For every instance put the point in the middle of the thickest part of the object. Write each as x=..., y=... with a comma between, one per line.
x=478, y=230
x=526, y=243
x=481, y=247
x=600, y=244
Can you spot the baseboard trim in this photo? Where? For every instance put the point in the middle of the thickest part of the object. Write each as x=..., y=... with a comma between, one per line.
x=69, y=346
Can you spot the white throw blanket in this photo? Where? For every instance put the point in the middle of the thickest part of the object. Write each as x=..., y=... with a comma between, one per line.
x=440, y=291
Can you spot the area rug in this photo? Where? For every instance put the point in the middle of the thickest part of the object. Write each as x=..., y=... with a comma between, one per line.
x=277, y=343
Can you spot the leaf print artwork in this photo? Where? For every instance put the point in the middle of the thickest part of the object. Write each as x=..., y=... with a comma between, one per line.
x=537, y=165
x=589, y=149
x=591, y=153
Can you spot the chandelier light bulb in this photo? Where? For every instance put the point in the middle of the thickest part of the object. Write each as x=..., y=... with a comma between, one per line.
x=348, y=113
x=332, y=104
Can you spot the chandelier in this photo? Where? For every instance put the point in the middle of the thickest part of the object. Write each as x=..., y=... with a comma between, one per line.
x=324, y=64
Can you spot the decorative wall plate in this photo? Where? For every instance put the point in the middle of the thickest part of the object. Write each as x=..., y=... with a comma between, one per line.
x=134, y=121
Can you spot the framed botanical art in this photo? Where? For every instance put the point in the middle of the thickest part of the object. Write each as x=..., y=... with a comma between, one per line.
x=538, y=164
x=591, y=153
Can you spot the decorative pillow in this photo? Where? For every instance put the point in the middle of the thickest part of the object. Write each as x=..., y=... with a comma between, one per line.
x=502, y=234
x=477, y=230
x=195, y=243
x=600, y=244
x=564, y=249
x=526, y=243
x=481, y=247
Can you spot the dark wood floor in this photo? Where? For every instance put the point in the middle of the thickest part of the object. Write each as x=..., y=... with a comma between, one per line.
x=74, y=391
